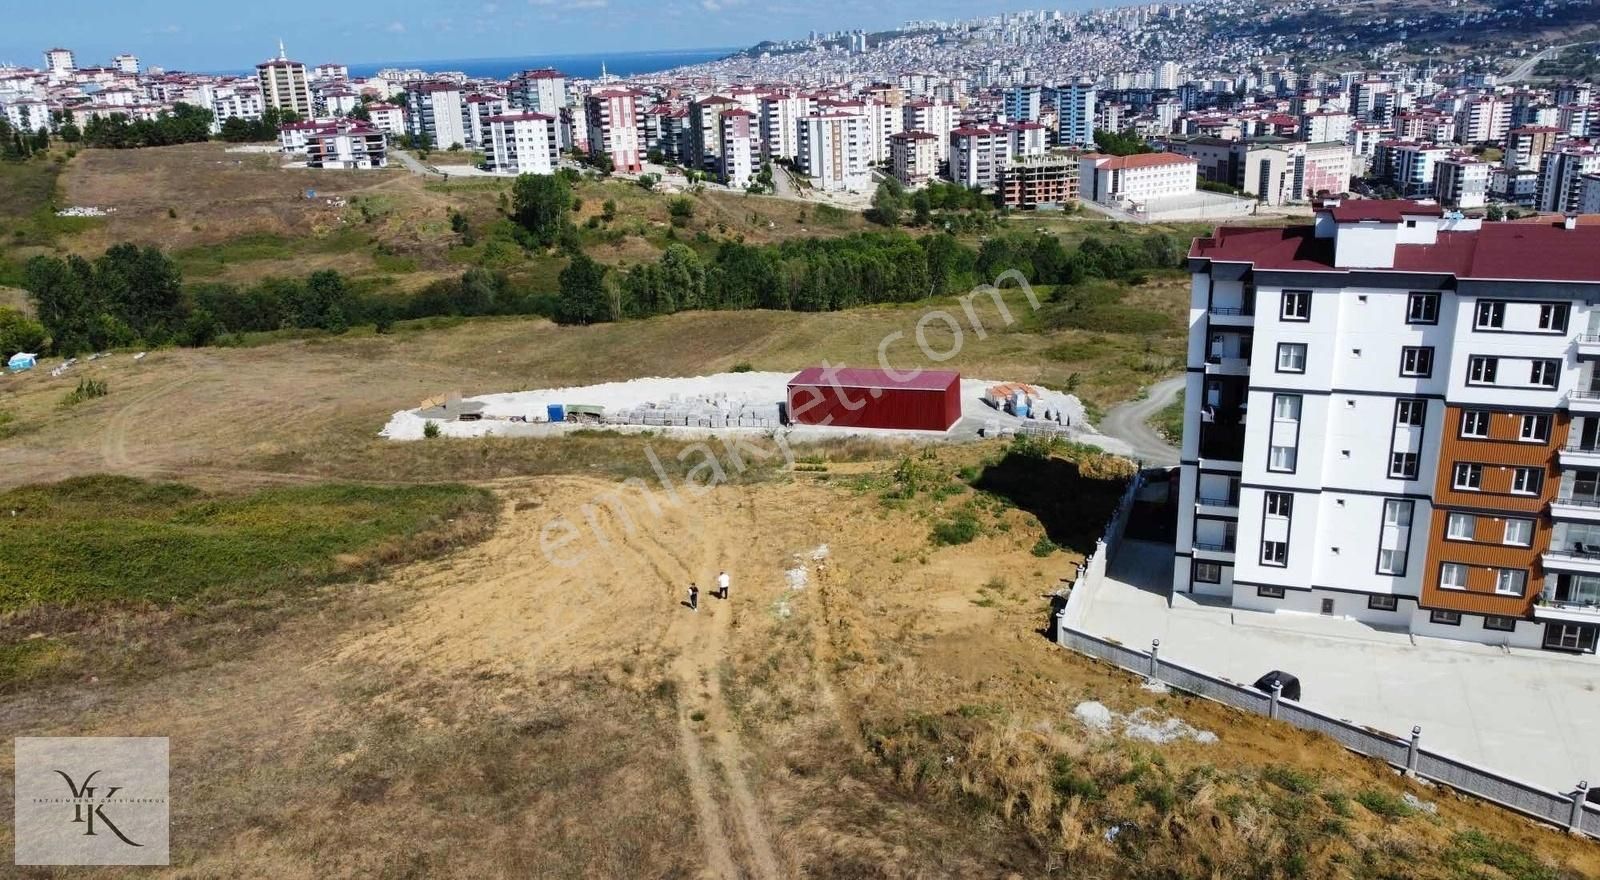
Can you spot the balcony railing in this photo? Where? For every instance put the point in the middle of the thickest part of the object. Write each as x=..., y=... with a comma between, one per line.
x=1590, y=606
x=1231, y=310
x=1577, y=551
x=1576, y=394
x=1579, y=446
x=1224, y=547
x=1578, y=500
x=1590, y=338
x=1219, y=501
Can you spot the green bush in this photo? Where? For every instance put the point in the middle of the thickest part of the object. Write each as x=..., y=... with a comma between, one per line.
x=430, y=429
x=1290, y=779
x=88, y=389
x=961, y=528
x=1044, y=547
x=1382, y=803
x=742, y=367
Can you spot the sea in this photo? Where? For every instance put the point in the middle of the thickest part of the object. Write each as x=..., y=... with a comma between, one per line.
x=576, y=66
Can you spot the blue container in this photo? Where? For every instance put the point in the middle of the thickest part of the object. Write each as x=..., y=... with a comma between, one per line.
x=558, y=412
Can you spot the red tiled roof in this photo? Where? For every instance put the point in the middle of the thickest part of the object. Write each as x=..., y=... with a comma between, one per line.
x=1139, y=160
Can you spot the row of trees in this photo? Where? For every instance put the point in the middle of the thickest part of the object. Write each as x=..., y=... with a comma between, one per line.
x=240, y=131
x=129, y=294
x=18, y=144
x=184, y=124
x=893, y=205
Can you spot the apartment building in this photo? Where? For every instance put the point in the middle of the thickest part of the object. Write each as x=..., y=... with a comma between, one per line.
x=437, y=111
x=1461, y=182
x=978, y=155
x=935, y=119
x=126, y=63
x=348, y=144
x=702, y=144
x=1394, y=416
x=1024, y=103
x=612, y=116
x=388, y=118
x=239, y=102
x=832, y=150
x=284, y=85
x=1112, y=180
x=1074, y=104
x=738, y=151
x=523, y=143
x=60, y=63
x=538, y=91
x=1047, y=181
x=1526, y=146
x=914, y=156
x=1321, y=126
x=1483, y=120
x=781, y=113
x=1560, y=172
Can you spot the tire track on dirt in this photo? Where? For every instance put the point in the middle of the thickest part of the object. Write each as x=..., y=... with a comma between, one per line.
x=114, y=439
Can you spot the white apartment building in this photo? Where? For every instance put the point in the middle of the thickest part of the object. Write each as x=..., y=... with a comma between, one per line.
x=437, y=111
x=284, y=85
x=238, y=102
x=978, y=156
x=738, y=153
x=479, y=108
x=832, y=150
x=60, y=63
x=1394, y=416
x=613, y=124
x=1113, y=180
x=330, y=72
x=348, y=144
x=1074, y=105
x=388, y=118
x=1026, y=140
x=1560, y=171
x=1483, y=120
x=539, y=91
x=935, y=119
x=914, y=155
x=28, y=115
x=126, y=63
x=1321, y=126
x=523, y=143
x=781, y=113
x=1461, y=182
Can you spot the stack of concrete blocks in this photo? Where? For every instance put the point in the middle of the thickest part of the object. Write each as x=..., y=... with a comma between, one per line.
x=708, y=412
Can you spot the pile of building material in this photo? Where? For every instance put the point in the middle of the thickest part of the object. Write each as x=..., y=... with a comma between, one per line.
x=714, y=411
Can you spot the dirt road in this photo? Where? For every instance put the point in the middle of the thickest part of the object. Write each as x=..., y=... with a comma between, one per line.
x=1130, y=422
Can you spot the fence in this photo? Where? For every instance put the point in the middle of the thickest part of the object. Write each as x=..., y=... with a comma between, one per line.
x=1565, y=810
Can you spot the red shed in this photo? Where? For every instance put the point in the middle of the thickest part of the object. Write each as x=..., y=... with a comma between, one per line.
x=929, y=400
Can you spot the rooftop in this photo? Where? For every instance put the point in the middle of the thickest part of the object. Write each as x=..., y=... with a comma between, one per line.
x=862, y=377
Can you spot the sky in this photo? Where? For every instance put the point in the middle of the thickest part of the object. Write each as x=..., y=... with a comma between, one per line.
x=204, y=35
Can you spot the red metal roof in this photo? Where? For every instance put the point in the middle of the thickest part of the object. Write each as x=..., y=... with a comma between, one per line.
x=863, y=377
x=1497, y=251
x=1382, y=210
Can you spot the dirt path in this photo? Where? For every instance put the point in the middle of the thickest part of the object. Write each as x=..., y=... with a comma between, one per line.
x=114, y=439
x=1130, y=422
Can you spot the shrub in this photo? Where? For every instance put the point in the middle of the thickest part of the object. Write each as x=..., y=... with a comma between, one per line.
x=1044, y=547
x=1382, y=803
x=430, y=429
x=961, y=528
x=742, y=367
x=88, y=389
x=1290, y=779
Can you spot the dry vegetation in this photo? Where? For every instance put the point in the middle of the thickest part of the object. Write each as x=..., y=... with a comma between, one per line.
x=492, y=714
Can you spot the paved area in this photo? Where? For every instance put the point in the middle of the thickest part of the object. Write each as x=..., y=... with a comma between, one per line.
x=1130, y=423
x=1529, y=715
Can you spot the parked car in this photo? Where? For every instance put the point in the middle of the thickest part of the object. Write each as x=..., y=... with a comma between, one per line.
x=1291, y=684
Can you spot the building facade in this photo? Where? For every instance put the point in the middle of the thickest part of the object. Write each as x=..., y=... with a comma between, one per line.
x=1033, y=182
x=523, y=143
x=612, y=116
x=914, y=155
x=833, y=151
x=1391, y=419
x=284, y=85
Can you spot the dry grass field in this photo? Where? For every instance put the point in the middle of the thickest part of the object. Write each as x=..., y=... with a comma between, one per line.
x=892, y=713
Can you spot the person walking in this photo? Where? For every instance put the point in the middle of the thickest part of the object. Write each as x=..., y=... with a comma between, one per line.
x=722, y=585
x=694, y=597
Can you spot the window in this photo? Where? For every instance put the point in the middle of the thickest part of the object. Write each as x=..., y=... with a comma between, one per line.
x=1467, y=477
x=1416, y=360
x=1392, y=562
x=1526, y=480
x=1275, y=553
x=1286, y=407
x=1291, y=357
x=1383, y=603
x=1296, y=305
x=1474, y=423
x=1482, y=370
x=1545, y=373
x=1396, y=513
x=1553, y=317
x=1500, y=623
x=1460, y=527
x=1519, y=532
x=1281, y=459
x=1445, y=618
x=1452, y=576
x=1535, y=428
x=1422, y=308
x=1208, y=572
x=1270, y=592
x=1403, y=465
x=1510, y=581
x=1569, y=637
x=1491, y=315
x=1280, y=504
x=1409, y=411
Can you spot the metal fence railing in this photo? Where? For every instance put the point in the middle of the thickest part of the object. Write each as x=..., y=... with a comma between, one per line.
x=1565, y=809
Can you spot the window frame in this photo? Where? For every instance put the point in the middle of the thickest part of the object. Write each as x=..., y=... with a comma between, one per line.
x=1494, y=310
x=1472, y=468
x=1290, y=346
x=1541, y=420
x=1410, y=412
x=1521, y=475
x=1453, y=516
x=1505, y=535
x=1466, y=575
x=1487, y=618
x=1269, y=592
x=1377, y=601
x=1199, y=563
x=1483, y=369
x=1298, y=316
x=1551, y=309
x=1520, y=577
x=1397, y=459
x=1540, y=366
x=1282, y=500
x=1282, y=560
x=1422, y=353
x=1430, y=300
x=1444, y=617
x=1472, y=415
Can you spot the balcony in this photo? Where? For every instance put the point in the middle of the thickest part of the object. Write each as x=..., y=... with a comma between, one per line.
x=1227, y=366
x=1221, y=506
x=1588, y=344
x=1576, y=559
x=1583, y=401
x=1582, y=508
x=1207, y=551
x=1580, y=455
x=1221, y=441
x=1231, y=316
x=1548, y=607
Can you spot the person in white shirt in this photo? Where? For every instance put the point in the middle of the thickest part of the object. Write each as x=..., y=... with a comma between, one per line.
x=722, y=585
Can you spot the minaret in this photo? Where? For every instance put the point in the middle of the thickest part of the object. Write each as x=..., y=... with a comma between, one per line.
x=283, y=54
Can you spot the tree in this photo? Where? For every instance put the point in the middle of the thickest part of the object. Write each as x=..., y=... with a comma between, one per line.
x=71, y=133
x=583, y=298
x=608, y=210
x=18, y=332
x=888, y=202
x=539, y=205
